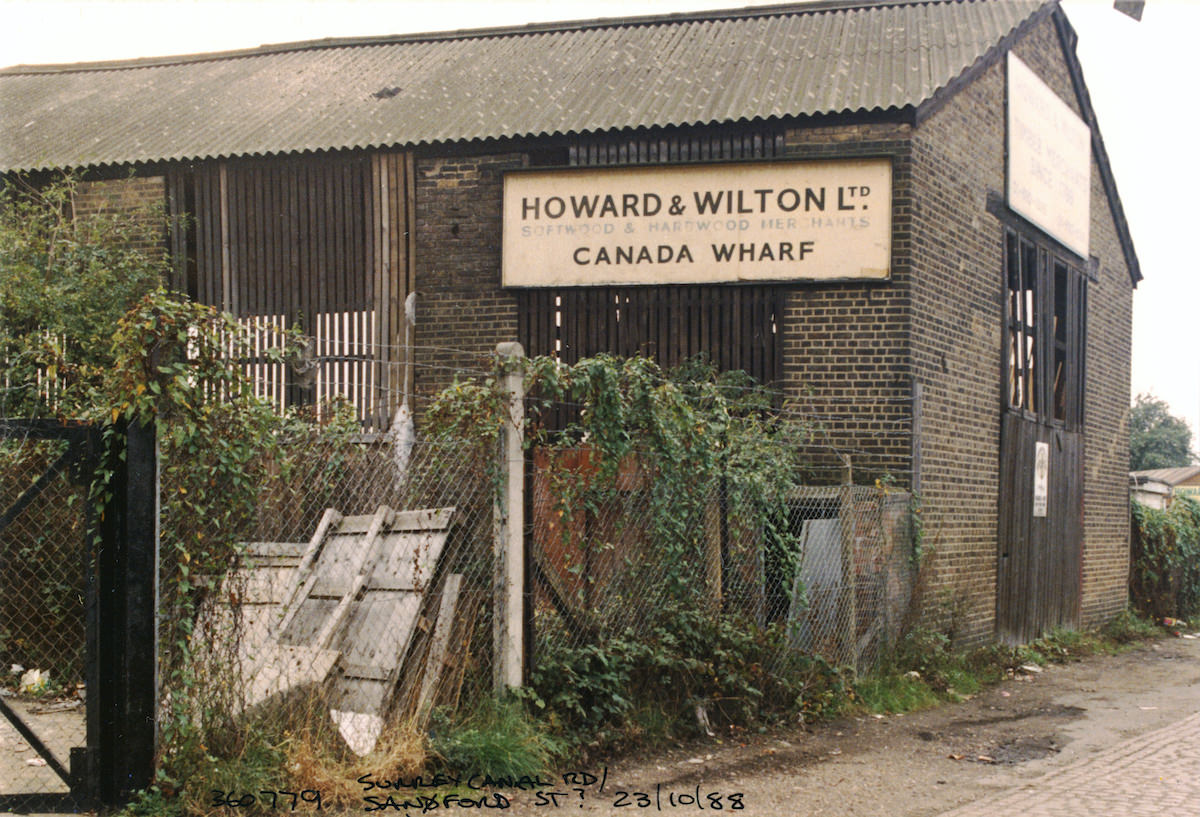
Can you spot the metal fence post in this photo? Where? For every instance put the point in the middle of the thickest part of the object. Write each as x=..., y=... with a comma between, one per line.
x=848, y=612
x=508, y=634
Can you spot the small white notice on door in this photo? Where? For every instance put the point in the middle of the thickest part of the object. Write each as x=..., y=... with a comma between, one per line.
x=1041, y=477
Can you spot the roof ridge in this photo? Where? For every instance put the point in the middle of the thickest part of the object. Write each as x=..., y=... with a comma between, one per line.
x=745, y=12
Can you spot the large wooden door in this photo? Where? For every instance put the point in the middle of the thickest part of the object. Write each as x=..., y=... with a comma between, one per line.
x=1039, y=566
x=1040, y=530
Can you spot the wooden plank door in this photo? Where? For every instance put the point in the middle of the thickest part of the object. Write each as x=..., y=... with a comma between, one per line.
x=1039, y=567
x=1040, y=525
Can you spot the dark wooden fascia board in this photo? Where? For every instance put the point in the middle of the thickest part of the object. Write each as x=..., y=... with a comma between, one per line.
x=1068, y=38
x=997, y=206
x=518, y=144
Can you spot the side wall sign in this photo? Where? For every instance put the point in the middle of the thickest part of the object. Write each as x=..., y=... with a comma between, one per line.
x=778, y=221
x=1041, y=477
x=1049, y=159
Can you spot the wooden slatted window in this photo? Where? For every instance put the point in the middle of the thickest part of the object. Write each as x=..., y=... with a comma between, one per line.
x=1045, y=332
x=736, y=327
x=314, y=242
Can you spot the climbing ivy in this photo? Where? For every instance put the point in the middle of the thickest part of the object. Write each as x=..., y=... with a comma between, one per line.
x=665, y=456
x=697, y=432
x=172, y=367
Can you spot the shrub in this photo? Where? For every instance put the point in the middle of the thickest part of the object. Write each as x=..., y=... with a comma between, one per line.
x=1165, y=560
x=691, y=672
x=495, y=737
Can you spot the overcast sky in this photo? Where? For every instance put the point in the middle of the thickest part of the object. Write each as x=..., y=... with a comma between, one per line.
x=1136, y=74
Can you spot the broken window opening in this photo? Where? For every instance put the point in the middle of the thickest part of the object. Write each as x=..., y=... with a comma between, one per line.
x=1045, y=304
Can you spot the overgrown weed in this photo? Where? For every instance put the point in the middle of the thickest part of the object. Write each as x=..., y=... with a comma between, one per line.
x=495, y=737
x=691, y=674
x=1130, y=628
x=315, y=763
x=923, y=670
x=883, y=694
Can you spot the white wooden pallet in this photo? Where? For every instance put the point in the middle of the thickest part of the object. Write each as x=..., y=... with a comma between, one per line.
x=349, y=613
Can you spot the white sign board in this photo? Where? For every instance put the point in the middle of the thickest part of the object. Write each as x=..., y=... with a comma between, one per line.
x=1049, y=159
x=777, y=221
x=1041, y=477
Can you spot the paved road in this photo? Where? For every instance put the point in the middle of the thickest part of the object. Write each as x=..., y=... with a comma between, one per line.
x=1156, y=775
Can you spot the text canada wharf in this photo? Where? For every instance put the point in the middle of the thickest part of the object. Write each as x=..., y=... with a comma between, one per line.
x=760, y=201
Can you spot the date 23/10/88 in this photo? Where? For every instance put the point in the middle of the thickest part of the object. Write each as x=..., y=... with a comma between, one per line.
x=657, y=799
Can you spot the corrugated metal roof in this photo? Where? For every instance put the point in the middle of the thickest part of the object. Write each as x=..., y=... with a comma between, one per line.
x=570, y=78
x=1171, y=476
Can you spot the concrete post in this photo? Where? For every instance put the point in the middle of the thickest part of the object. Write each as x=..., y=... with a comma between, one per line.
x=508, y=633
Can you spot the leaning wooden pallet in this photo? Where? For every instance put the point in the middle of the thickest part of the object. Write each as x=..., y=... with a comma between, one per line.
x=349, y=617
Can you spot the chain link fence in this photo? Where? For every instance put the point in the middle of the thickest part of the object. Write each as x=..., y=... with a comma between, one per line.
x=43, y=570
x=345, y=608
x=837, y=576
x=353, y=603
x=338, y=603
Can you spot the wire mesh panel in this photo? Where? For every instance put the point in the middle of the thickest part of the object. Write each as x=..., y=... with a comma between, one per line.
x=43, y=562
x=837, y=577
x=853, y=575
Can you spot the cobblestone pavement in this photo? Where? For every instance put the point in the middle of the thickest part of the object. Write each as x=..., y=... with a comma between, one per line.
x=1155, y=775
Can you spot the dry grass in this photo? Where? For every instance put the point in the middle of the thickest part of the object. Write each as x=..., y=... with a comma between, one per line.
x=402, y=750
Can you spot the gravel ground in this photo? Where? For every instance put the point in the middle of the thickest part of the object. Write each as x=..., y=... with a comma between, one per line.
x=916, y=765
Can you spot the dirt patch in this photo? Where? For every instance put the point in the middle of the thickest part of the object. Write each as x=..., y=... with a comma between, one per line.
x=1048, y=712
x=1024, y=749
x=921, y=764
x=59, y=724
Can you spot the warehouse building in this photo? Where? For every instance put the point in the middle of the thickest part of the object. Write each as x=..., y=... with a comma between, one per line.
x=899, y=213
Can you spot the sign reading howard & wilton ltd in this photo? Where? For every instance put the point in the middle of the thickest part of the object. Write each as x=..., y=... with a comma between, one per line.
x=777, y=221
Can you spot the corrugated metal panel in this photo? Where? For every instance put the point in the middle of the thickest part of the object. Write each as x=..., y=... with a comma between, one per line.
x=1171, y=476
x=693, y=70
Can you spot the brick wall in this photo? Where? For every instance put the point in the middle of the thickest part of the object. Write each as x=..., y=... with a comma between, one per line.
x=845, y=346
x=853, y=350
x=460, y=305
x=846, y=350
x=957, y=263
x=141, y=197
x=958, y=157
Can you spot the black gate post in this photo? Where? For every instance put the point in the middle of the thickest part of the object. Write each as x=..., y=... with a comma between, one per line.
x=126, y=637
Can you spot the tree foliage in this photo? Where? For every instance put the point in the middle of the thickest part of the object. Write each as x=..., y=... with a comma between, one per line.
x=88, y=331
x=1157, y=439
x=65, y=283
